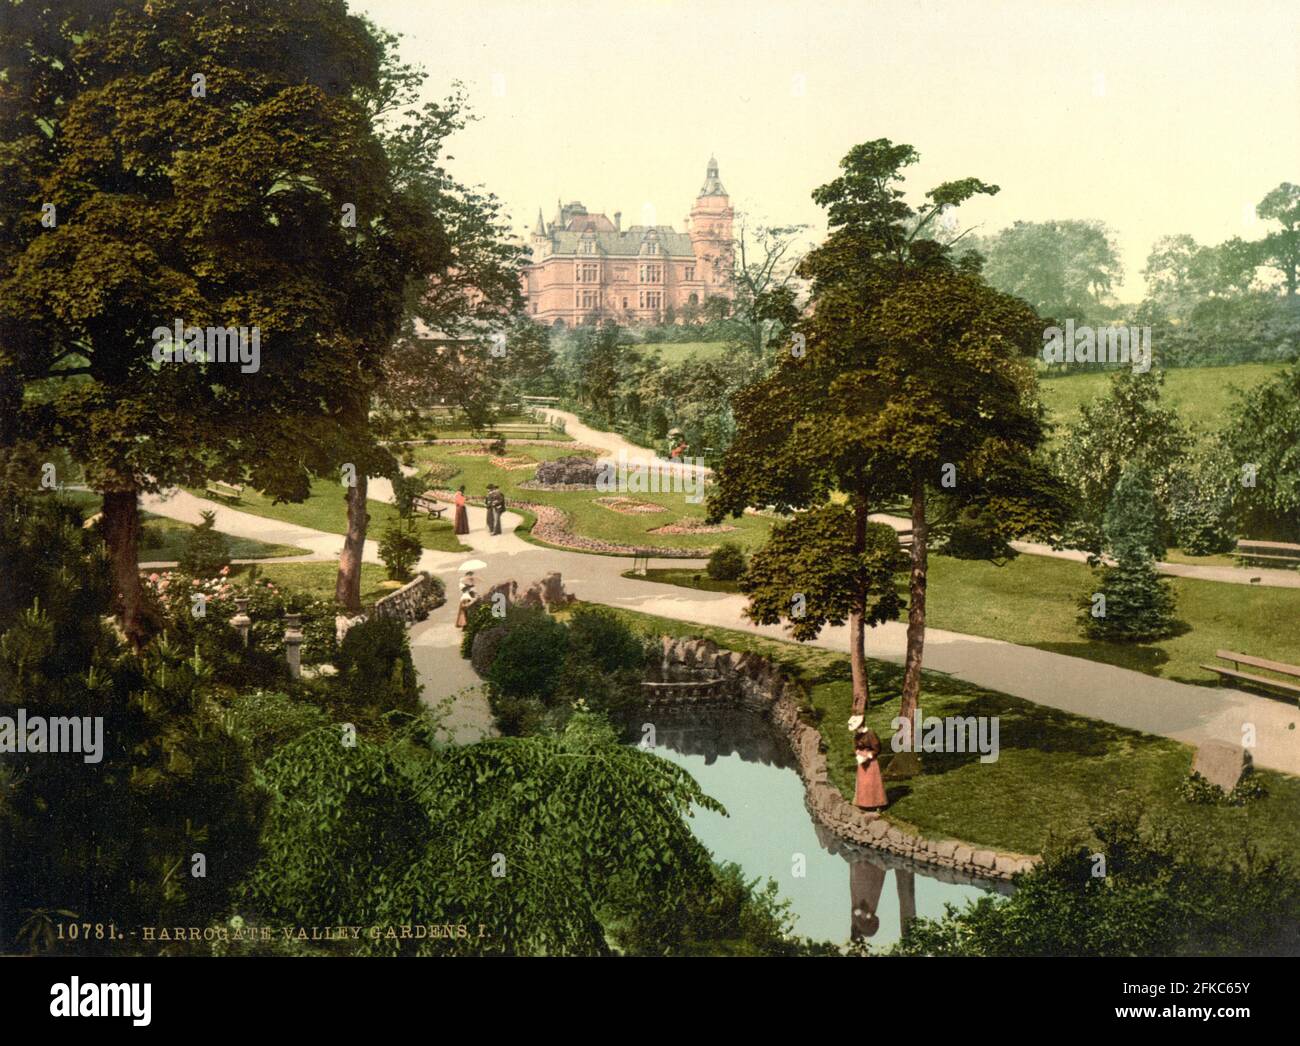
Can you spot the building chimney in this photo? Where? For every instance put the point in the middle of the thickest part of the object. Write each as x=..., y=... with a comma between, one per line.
x=618, y=221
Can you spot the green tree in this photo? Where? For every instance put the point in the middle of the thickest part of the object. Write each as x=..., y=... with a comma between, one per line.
x=815, y=570
x=1280, y=249
x=1131, y=603
x=202, y=162
x=1062, y=268
x=1128, y=425
x=911, y=373
x=1263, y=438
x=488, y=834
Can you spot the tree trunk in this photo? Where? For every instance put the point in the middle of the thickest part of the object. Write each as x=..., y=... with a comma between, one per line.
x=121, y=527
x=908, y=762
x=857, y=625
x=347, y=589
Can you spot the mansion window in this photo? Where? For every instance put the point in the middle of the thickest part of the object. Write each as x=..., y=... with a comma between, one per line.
x=586, y=299
x=586, y=273
x=652, y=274
x=690, y=272
x=587, y=247
x=620, y=275
x=652, y=299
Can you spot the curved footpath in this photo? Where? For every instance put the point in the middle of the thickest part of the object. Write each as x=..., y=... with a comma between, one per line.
x=1191, y=714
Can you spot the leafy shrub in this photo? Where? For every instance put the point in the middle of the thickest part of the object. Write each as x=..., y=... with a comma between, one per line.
x=206, y=551
x=405, y=490
x=478, y=618
x=1160, y=896
x=1196, y=789
x=727, y=562
x=375, y=664
x=486, y=643
x=605, y=662
x=529, y=660
x=400, y=548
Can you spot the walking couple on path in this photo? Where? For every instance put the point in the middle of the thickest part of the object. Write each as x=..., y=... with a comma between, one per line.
x=495, y=502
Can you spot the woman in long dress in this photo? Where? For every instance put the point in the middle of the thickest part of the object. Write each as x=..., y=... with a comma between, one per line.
x=870, y=791
x=467, y=598
x=462, y=517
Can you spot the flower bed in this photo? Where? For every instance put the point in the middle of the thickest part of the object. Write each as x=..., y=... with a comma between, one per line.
x=267, y=605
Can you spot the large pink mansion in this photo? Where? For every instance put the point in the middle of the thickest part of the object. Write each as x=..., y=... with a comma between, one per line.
x=586, y=267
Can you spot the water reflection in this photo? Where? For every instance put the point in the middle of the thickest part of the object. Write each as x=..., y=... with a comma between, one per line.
x=838, y=891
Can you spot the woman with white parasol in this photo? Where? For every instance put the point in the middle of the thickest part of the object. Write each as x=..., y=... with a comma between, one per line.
x=467, y=593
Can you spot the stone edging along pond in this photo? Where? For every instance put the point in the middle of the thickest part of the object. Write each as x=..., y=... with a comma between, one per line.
x=754, y=683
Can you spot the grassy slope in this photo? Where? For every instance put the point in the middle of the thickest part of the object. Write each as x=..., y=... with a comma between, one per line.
x=1055, y=774
x=676, y=353
x=1201, y=395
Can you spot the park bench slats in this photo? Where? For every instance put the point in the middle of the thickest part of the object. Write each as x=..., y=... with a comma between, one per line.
x=226, y=491
x=1258, y=680
x=428, y=502
x=1277, y=551
x=1256, y=662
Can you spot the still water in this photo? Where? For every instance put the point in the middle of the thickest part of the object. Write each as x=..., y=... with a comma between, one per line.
x=845, y=892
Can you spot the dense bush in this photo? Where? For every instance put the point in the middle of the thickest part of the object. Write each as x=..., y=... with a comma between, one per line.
x=374, y=663
x=726, y=562
x=400, y=548
x=486, y=643
x=478, y=618
x=1158, y=896
x=530, y=656
x=206, y=551
x=267, y=605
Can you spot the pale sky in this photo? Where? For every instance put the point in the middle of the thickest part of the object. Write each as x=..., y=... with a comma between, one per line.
x=1156, y=116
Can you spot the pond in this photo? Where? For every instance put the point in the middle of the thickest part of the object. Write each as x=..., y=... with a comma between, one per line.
x=844, y=892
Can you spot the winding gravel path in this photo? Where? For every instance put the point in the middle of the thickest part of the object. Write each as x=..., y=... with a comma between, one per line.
x=1191, y=714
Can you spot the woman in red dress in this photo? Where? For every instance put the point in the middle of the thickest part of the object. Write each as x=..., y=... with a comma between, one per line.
x=870, y=791
x=462, y=517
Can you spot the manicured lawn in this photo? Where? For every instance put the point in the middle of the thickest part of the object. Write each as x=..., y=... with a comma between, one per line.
x=162, y=539
x=325, y=510
x=1030, y=601
x=677, y=353
x=317, y=579
x=1055, y=773
x=590, y=519
x=1201, y=396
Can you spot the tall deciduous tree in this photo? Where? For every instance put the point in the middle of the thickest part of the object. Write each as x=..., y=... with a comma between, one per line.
x=910, y=373
x=214, y=165
x=1280, y=249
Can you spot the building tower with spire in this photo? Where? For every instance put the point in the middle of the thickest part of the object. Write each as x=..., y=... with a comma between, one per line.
x=710, y=227
x=586, y=268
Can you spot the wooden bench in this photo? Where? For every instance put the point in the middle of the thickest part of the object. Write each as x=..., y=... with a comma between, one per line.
x=1256, y=662
x=1279, y=551
x=516, y=431
x=428, y=502
x=226, y=491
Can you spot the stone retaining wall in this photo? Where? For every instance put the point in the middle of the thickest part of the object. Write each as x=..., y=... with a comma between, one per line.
x=412, y=602
x=753, y=683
